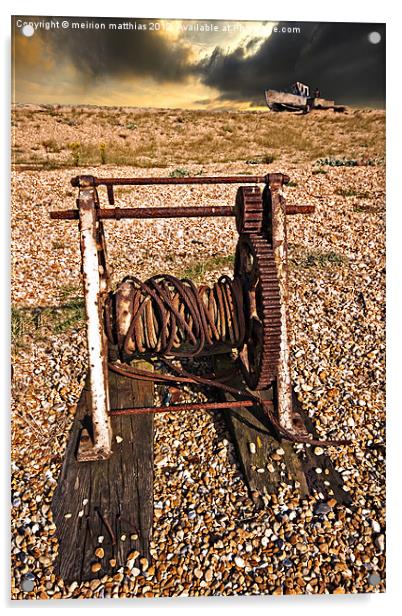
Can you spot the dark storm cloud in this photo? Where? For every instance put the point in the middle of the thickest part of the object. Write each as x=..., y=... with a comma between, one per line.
x=338, y=58
x=98, y=53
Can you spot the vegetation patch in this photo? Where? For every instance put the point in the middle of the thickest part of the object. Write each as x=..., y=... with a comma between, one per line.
x=337, y=162
x=179, y=173
x=35, y=321
x=196, y=270
x=351, y=192
x=300, y=259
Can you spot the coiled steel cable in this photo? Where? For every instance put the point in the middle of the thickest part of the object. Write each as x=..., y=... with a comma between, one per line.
x=171, y=317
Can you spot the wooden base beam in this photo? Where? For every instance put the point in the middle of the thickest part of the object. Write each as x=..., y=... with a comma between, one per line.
x=268, y=461
x=110, y=498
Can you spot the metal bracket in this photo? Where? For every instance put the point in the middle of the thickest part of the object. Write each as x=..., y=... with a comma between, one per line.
x=96, y=286
x=280, y=247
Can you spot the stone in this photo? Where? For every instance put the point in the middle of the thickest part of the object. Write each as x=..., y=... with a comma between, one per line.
x=208, y=575
x=239, y=561
x=380, y=542
x=322, y=509
x=28, y=582
x=95, y=567
x=252, y=448
x=374, y=579
x=375, y=526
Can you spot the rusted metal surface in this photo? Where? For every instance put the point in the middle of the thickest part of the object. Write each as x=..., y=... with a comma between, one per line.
x=119, y=213
x=171, y=317
x=223, y=179
x=255, y=267
x=95, y=279
x=249, y=209
x=177, y=408
x=150, y=212
x=299, y=209
x=279, y=244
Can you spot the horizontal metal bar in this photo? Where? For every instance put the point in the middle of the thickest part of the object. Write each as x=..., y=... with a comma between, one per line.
x=168, y=212
x=204, y=406
x=300, y=209
x=149, y=212
x=228, y=179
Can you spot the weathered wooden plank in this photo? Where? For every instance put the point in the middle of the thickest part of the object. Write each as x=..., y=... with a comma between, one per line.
x=250, y=429
x=110, y=498
x=277, y=457
x=317, y=483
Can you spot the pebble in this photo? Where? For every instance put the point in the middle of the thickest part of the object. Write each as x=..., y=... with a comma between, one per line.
x=28, y=582
x=99, y=552
x=374, y=579
x=322, y=509
x=380, y=542
x=252, y=448
x=208, y=575
x=96, y=567
x=239, y=561
x=375, y=526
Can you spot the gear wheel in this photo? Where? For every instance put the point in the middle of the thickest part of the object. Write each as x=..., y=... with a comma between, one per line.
x=255, y=266
x=248, y=209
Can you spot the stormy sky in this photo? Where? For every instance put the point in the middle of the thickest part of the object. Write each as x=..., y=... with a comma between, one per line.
x=193, y=64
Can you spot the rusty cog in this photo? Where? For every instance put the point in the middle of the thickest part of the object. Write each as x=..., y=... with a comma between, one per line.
x=255, y=267
x=248, y=209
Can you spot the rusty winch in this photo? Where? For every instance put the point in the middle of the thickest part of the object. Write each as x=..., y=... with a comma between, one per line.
x=171, y=319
